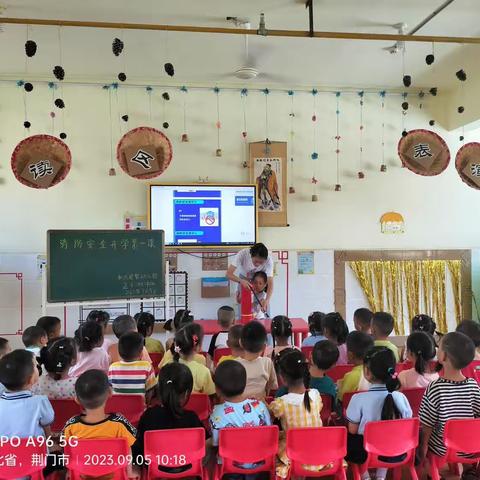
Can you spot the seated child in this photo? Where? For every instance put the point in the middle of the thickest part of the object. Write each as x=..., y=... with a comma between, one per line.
x=175, y=384
x=89, y=338
x=121, y=325
x=299, y=408
x=281, y=329
x=420, y=351
x=236, y=409
x=362, y=319
x=131, y=375
x=103, y=318
x=22, y=414
x=51, y=325
x=472, y=330
x=225, y=318
x=57, y=358
x=233, y=343
x=315, y=325
x=145, y=325
x=261, y=376
x=382, y=327
x=450, y=396
x=259, y=286
x=358, y=344
x=34, y=338
x=187, y=344
x=4, y=349
x=335, y=329
x=422, y=323
x=381, y=402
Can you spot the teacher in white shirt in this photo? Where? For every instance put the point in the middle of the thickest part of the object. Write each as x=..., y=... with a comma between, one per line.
x=249, y=261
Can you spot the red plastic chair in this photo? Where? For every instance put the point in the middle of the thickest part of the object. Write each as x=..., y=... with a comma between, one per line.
x=97, y=457
x=326, y=411
x=247, y=445
x=64, y=410
x=130, y=406
x=472, y=370
x=303, y=449
x=200, y=404
x=307, y=351
x=346, y=400
x=156, y=358
x=219, y=353
x=19, y=457
x=184, y=447
x=414, y=397
x=390, y=438
x=461, y=435
x=338, y=372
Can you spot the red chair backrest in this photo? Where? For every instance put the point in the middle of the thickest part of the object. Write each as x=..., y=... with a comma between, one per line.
x=97, y=457
x=130, y=406
x=248, y=445
x=346, y=399
x=175, y=448
x=156, y=358
x=303, y=449
x=219, y=353
x=391, y=438
x=326, y=411
x=338, y=372
x=64, y=410
x=462, y=435
x=472, y=370
x=17, y=459
x=307, y=351
x=414, y=397
x=200, y=404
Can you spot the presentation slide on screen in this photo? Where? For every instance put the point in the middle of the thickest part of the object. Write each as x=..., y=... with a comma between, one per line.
x=204, y=215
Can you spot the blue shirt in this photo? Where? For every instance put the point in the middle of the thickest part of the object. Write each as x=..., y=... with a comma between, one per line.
x=23, y=414
x=367, y=406
x=312, y=340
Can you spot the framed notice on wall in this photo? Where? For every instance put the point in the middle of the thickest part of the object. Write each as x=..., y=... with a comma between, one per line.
x=268, y=170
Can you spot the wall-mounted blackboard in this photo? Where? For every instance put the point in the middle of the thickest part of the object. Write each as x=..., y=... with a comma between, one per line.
x=87, y=265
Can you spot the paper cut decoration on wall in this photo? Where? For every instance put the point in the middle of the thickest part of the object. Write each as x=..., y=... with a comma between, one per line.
x=215, y=287
x=392, y=222
x=424, y=152
x=216, y=261
x=135, y=222
x=467, y=163
x=144, y=152
x=41, y=161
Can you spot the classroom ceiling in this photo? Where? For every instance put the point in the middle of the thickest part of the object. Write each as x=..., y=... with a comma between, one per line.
x=211, y=58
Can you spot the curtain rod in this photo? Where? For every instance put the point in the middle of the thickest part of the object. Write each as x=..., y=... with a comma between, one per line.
x=241, y=31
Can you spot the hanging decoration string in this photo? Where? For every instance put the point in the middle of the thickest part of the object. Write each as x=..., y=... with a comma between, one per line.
x=52, y=87
x=405, y=106
x=218, y=152
x=361, y=174
x=26, y=88
x=243, y=95
x=291, y=188
x=338, y=186
x=184, y=90
x=314, y=154
x=59, y=102
x=266, y=92
x=149, y=99
x=383, y=166
x=111, y=171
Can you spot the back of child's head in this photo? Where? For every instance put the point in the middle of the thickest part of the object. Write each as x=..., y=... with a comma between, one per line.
x=175, y=384
x=234, y=336
x=358, y=344
x=325, y=354
x=130, y=346
x=16, y=369
x=362, y=318
x=315, y=323
x=334, y=326
x=381, y=362
x=32, y=335
x=88, y=336
x=182, y=317
x=281, y=327
x=51, y=325
x=225, y=316
x=145, y=323
x=295, y=371
x=123, y=324
x=92, y=389
x=4, y=346
x=99, y=316
x=59, y=356
x=230, y=378
x=423, y=323
x=422, y=346
x=254, y=337
x=458, y=348
x=187, y=340
x=471, y=329
x=382, y=324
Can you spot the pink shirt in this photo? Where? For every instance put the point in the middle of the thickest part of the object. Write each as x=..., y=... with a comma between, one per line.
x=412, y=379
x=95, y=359
x=342, y=358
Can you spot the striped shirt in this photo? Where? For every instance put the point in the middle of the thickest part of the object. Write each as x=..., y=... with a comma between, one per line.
x=444, y=400
x=131, y=378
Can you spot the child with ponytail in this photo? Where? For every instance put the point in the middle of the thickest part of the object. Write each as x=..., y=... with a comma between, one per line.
x=281, y=329
x=420, y=351
x=335, y=329
x=145, y=324
x=380, y=402
x=300, y=407
x=57, y=358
